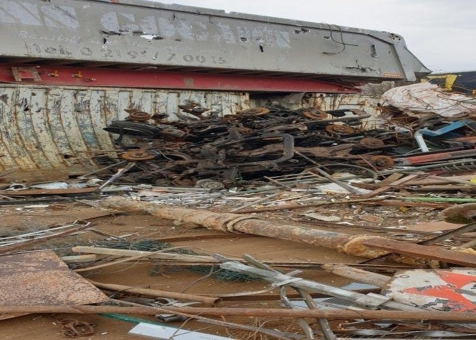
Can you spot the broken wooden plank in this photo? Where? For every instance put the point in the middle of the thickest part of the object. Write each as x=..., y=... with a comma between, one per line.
x=143, y=254
x=389, y=186
x=390, y=179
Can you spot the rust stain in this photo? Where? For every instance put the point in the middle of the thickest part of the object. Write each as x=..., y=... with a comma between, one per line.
x=42, y=279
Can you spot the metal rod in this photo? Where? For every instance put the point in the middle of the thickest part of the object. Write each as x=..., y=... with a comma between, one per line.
x=329, y=177
x=210, y=300
x=380, y=315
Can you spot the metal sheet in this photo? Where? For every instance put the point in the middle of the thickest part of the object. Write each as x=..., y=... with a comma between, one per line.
x=52, y=131
x=450, y=290
x=141, y=32
x=41, y=279
x=148, y=78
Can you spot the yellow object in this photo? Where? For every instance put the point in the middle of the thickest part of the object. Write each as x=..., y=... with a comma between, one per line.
x=465, y=250
x=449, y=80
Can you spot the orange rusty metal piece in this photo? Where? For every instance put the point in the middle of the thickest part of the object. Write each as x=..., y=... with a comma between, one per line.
x=137, y=155
x=41, y=279
x=382, y=162
x=258, y=111
x=371, y=142
x=138, y=116
x=340, y=129
x=315, y=114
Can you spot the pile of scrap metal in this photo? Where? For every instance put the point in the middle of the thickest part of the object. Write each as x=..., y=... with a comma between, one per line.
x=392, y=293
x=268, y=141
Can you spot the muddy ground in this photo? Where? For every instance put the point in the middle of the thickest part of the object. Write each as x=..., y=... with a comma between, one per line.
x=408, y=223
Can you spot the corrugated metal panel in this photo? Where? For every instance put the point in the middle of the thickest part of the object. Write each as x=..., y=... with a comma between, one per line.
x=61, y=128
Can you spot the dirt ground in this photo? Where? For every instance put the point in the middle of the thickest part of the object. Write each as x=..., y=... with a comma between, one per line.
x=370, y=219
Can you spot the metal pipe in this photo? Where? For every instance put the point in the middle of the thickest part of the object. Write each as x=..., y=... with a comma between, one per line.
x=249, y=224
x=252, y=312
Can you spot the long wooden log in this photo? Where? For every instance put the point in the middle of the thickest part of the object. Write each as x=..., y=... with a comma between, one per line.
x=252, y=312
x=357, y=245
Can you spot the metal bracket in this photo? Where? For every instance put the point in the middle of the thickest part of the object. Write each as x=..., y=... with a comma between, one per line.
x=20, y=73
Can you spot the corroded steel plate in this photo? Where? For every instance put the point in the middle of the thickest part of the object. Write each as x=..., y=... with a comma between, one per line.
x=41, y=278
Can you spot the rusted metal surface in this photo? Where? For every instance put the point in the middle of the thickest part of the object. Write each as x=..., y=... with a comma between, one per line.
x=178, y=80
x=46, y=130
x=251, y=312
x=421, y=251
x=329, y=102
x=229, y=222
x=42, y=279
x=209, y=300
x=174, y=36
x=349, y=244
x=251, y=144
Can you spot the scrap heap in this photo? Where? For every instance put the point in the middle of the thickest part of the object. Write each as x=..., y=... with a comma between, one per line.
x=156, y=181
x=272, y=141
x=255, y=143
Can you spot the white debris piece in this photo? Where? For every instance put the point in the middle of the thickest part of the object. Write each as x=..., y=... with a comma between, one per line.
x=426, y=98
x=323, y=217
x=165, y=333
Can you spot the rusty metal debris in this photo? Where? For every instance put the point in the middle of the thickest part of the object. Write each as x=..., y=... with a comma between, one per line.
x=252, y=144
x=276, y=141
x=41, y=279
x=364, y=246
x=264, y=156
x=73, y=328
